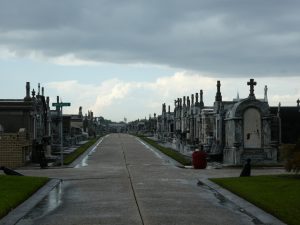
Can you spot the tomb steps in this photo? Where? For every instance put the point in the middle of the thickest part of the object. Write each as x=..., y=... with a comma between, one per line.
x=256, y=155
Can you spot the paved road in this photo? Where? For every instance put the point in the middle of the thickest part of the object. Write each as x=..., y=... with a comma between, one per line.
x=126, y=183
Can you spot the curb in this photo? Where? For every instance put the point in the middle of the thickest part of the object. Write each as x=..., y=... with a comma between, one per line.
x=245, y=206
x=77, y=161
x=18, y=213
x=160, y=154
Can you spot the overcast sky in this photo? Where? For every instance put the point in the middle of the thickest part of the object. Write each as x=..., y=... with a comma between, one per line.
x=125, y=58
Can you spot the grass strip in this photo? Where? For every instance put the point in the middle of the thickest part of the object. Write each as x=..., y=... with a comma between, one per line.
x=74, y=155
x=276, y=194
x=16, y=189
x=168, y=151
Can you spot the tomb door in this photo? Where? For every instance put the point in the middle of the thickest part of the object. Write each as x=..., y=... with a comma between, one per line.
x=252, y=128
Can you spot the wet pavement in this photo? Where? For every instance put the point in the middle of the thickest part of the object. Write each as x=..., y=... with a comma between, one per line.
x=44, y=207
x=123, y=181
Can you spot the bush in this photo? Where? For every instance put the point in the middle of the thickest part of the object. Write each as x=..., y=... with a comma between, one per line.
x=291, y=156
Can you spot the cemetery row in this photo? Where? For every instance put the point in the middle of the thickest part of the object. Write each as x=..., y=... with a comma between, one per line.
x=31, y=131
x=229, y=131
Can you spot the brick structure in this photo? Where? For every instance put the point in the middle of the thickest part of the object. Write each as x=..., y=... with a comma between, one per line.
x=15, y=149
x=31, y=117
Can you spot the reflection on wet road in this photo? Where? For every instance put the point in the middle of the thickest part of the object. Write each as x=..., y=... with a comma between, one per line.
x=54, y=199
x=83, y=162
x=47, y=205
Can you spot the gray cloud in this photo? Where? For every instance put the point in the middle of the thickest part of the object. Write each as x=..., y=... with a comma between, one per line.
x=223, y=37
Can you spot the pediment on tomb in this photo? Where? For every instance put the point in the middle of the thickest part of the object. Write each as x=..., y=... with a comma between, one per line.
x=240, y=107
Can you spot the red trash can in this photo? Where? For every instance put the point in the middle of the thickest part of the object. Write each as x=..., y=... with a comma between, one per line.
x=199, y=159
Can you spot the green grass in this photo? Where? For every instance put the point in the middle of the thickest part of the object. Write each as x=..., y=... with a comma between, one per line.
x=276, y=194
x=16, y=189
x=74, y=155
x=168, y=151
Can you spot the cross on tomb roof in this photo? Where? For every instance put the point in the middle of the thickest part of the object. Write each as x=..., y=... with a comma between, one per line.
x=33, y=93
x=251, y=83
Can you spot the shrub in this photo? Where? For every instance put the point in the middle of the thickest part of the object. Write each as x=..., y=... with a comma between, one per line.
x=291, y=156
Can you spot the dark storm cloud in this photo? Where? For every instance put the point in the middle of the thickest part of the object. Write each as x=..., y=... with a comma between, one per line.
x=222, y=37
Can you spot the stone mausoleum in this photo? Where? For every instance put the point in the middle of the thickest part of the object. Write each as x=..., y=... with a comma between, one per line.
x=25, y=127
x=232, y=131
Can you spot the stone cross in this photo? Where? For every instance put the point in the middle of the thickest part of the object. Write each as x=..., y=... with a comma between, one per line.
x=57, y=101
x=33, y=93
x=298, y=103
x=251, y=83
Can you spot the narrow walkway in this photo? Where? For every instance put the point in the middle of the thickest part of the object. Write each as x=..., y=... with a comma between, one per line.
x=126, y=183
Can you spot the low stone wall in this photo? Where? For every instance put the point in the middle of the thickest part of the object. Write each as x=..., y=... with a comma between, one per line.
x=15, y=149
x=181, y=148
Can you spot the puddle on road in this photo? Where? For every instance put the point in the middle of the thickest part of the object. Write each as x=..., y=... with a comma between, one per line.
x=47, y=205
x=84, y=161
x=54, y=199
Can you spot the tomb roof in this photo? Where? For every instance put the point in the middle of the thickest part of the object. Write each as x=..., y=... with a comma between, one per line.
x=238, y=108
